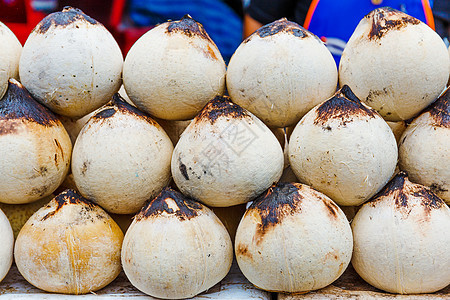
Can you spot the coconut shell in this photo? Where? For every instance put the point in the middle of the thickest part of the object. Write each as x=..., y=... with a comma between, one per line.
x=10, y=49
x=176, y=248
x=401, y=239
x=226, y=156
x=69, y=246
x=35, y=148
x=394, y=63
x=280, y=72
x=121, y=158
x=424, y=149
x=293, y=239
x=71, y=63
x=344, y=149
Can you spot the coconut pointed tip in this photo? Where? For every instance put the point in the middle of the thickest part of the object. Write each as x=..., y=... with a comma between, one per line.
x=170, y=202
x=387, y=19
x=220, y=106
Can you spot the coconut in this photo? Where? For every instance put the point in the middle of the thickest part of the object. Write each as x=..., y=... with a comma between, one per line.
x=35, y=148
x=173, y=70
x=69, y=246
x=280, y=72
x=343, y=149
x=10, y=49
x=121, y=158
x=226, y=156
x=424, y=150
x=71, y=63
x=18, y=214
x=394, y=63
x=401, y=239
x=293, y=239
x=176, y=248
x=7, y=245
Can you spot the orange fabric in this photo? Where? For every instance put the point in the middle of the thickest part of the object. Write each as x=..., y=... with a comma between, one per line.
x=428, y=14
x=310, y=13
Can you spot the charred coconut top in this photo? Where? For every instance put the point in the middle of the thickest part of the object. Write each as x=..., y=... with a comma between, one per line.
x=63, y=18
x=172, y=203
x=119, y=104
x=280, y=200
x=220, y=106
x=18, y=104
x=282, y=26
x=343, y=106
x=385, y=19
x=68, y=197
x=440, y=110
x=188, y=26
x=404, y=192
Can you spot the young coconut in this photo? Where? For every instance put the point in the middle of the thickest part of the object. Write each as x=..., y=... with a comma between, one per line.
x=35, y=148
x=280, y=72
x=121, y=158
x=343, y=149
x=402, y=244
x=176, y=248
x=173, y=70
x=69, y=246
x=6, y=246
x=71, y=63
x=394, y=63
x=10, y=49
x=293, y=239
x=424, y=150
x=226, y=156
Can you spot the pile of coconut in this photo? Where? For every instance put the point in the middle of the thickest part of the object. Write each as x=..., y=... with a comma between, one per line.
x=193, y=162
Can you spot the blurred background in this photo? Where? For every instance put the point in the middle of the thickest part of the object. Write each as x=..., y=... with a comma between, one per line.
x=226, y=21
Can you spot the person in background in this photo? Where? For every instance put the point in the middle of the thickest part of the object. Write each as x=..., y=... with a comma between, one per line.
x=332, y=21
x=222, y=20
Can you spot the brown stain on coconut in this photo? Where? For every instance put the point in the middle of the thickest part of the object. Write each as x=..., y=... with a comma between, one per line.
x=343, y=106
x=280, y=200
x=68, y=197
x=331, y=207
x=242, y=250
x=387, y=19
x=63, y=18
x=220, y=106
x=18, y=107
x=440, y=110
x=170, y=202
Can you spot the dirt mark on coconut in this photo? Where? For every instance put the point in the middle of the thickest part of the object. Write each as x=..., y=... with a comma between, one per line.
x=242, y=250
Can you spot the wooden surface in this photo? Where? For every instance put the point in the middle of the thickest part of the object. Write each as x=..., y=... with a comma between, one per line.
x=351, y=286
x=233, y=286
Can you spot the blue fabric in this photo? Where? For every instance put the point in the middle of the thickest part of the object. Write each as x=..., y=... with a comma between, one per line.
x=220, y=21
x=336, y=34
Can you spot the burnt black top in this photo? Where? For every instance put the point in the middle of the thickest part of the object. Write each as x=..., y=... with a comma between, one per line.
x=342, y=106
x=440, y=110
x=63, y=18
x=68, y=197
x=187, y=208
x=220, y=106
x=119, y=104
x=383, y=21
x=18, y=104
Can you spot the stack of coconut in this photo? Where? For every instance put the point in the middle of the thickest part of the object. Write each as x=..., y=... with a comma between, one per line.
x=282, y=138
